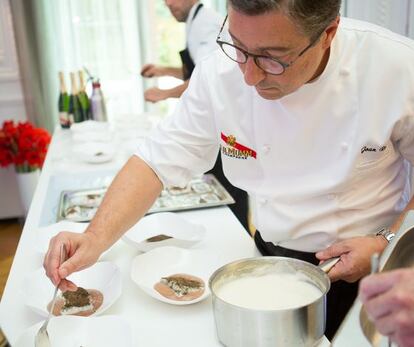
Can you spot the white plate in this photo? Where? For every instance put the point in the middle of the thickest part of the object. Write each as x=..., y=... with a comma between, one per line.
x=148, y=268
x=103, y=276
x=94, y=152
x=44, y=234
x=71, y=331
x=184, y=234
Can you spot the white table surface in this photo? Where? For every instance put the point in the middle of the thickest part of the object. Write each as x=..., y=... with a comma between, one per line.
x=153, y=323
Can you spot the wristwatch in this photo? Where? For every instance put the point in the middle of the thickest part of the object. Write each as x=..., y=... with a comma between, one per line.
x=386, y=233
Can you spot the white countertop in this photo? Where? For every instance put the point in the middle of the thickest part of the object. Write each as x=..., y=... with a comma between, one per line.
x=153, y=323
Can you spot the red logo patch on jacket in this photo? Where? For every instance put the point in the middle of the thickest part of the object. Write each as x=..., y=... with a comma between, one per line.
x=234, y=149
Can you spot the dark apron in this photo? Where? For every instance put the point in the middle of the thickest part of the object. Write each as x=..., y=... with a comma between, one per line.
x=187, y=61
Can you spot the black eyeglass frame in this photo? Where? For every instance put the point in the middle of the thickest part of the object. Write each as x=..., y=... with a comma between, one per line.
x=257, y=56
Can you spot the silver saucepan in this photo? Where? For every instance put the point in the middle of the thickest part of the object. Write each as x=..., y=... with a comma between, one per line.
x=238, y=326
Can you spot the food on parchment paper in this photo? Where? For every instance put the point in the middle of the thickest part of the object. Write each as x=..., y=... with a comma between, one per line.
x=158, y=238
x=82, y=302
x=88, y=200
x=180, y=287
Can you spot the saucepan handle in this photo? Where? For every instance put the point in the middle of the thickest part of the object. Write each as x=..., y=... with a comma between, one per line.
x=327, y=265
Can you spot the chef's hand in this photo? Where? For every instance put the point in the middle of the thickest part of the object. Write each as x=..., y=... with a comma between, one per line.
x=156, y=94
x=82, y=251
x=151, y=70
x=355, y=256
x=389, y=302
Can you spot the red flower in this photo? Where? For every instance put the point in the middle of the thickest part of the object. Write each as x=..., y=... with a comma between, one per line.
x=23, y=145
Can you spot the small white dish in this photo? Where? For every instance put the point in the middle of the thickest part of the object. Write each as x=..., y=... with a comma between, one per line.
x=147, y=269
x=44, y=234
x=182, y=232
x=103, y=276
x=94, y=152
x=69, y=331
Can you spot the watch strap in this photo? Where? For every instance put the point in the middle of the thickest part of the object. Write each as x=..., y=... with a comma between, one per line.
x=386, y=233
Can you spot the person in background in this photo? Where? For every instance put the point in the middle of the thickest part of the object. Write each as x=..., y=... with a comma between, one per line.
x=389, y=302
x=313, y=115
x=202, y=26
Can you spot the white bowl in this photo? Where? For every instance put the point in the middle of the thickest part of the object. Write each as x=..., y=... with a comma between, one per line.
x=184, y=233
x=103, y=276
x=44, y=234
x=69, y=331
x=94, y=152
x=147, y=269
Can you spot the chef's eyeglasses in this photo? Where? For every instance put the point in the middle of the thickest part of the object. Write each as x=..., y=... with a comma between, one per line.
x=268, y=64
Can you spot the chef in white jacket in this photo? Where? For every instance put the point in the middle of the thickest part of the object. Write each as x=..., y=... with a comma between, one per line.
x=314, y=118
x=201, y=27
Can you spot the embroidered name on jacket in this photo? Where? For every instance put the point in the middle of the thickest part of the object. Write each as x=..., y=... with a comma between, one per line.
x=373, y=149
x=234, y=149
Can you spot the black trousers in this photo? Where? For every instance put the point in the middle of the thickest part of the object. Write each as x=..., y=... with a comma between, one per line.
x=240, y=207
x=340, y=297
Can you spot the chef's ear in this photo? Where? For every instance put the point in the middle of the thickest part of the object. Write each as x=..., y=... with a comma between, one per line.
x=329, y=33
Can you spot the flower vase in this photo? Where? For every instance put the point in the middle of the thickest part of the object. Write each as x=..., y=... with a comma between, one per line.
x=27, y=182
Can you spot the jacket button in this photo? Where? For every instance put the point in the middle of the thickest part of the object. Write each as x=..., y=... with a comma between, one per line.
x=266, y=149
x=344, y=72
x=263, y=201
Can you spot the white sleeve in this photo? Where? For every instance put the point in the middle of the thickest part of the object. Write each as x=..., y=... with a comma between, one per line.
x=403, y=135
x=206, y=44
x=206, y=27
x=186, y=143
x=403, y=131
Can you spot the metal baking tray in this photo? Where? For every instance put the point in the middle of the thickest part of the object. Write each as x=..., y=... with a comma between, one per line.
x=203, y=192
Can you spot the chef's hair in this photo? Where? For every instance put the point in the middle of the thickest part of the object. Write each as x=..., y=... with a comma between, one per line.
x=311, y=16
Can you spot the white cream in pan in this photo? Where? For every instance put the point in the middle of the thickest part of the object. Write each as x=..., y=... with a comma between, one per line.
x=269, y=292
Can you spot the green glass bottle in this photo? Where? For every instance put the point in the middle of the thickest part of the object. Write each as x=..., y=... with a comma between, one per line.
x=63, y=103
x=75, y=108
x=83, y=97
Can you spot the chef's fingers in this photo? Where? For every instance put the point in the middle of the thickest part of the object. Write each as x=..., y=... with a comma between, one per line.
x=52, y=260
x=83, y=254
x=337, y=272
x=71, y=265
x=374, y=285
x=380, y=305
x=147, y=70
x=65, y=285
x=390, y=324
x=335, y=250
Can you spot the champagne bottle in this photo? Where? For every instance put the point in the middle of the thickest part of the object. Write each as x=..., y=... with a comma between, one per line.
x=75, y=109
x=83, y=97
x=63, y=103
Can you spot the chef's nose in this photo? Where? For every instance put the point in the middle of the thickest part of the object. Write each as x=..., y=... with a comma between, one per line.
x=252, y=73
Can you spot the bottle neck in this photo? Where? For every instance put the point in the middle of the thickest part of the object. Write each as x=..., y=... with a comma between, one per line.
x=62, y=83
x=73, y=82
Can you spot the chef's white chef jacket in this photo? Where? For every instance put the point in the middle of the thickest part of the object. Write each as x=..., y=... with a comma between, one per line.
x=327, y=162
x=202, y=31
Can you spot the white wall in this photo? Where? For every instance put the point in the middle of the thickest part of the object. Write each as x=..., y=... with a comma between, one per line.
x=11, y=107
x=397, y=15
